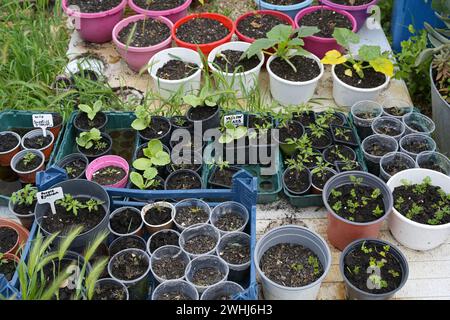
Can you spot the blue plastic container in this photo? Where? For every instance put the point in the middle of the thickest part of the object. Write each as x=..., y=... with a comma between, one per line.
x=289, y=10
x=407, y=12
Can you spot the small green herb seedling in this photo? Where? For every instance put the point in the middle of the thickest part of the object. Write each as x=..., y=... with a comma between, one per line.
x=70, y=204
x=93, y=204
x=297, y=267
x=25, y=196
x=313, y=261
x=28, y=158
x=91, y=112
x=90, y=139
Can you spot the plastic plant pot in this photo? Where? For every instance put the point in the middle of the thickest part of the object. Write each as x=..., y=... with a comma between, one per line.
x=354, y=293
x=100, y=127
x=138, y=288
x=86, y=67
x=177, y=172
x=173, y=15
x=352, y=143
x=341, y=231
x=165, y=231
x=204, y=47
x=412, y=234
x=138, y=57
x=198, y=230
x=47, y=150
x=380, y=125
x=95, y=27
x=115, y=246
x=315, y=189
x=239, y=273
x=107, y=161
x=293, y=93
x=27, y=176
x=277, y=14
x=56, y=129
x=73, y=157
x=293, y=235
x=360, y=13
x=397, y=108
x=395, y=158
x=79, y=189
x=190, y=203
x=6, y=156
x=175, y=287
x=227, y=208
x=211, y=122
x=168, y=88
x=207, y=261
x=236, y=81
x=155, y=228
x=373, y=161
x=346, y=95
x=165, y=139
x=223, y=289
x=290, y=10
x=106, y=137
x=15, y=247
x=287, y=149
x=319, y=45
x=416, y=122
x=326, y=153
x=22, y=235
x=116, y=283
x=25, y=219
x=297, y=193
x=173, y=252
x=427, y=141
x=434, y=161
x=372, y=108
x=138, y=231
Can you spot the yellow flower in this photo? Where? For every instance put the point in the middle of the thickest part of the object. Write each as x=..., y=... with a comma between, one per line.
x=333, y=57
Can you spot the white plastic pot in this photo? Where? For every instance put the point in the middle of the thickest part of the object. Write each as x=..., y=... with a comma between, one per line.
x=238, y=81
x=293, y=93
x=187, y=85
x=412, y=234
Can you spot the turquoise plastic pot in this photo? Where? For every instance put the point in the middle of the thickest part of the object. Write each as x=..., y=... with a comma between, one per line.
x=289, y=10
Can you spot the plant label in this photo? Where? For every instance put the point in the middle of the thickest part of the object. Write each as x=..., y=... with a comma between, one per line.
x=236, y=119
x=50, y=196
x=43, y=121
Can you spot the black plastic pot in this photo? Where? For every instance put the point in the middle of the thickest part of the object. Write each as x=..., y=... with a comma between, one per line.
x=73, y=157
x=195, y=158
x=101, y=127
x=296, y=192
x=326, y=153
x=218, y=185
x=305, y=118
x=183, y=171
x=165, y=139
x=321, y=148
x=209, y=123
x=289, y=149
x=187, y=126
x=106, y=152
x=337, y=140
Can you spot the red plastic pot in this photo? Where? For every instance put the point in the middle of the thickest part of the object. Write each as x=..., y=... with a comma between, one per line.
x=5, y=157
x=21, y=232
x=47, y=151
x=277, y=14
x=318, y=45
x=96, y=27
x=137, y=57
x=360, y=13
x=206, y=48
x=29, y=176
x=173, y=15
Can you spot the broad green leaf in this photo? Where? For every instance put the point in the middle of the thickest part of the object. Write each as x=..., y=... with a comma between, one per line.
x=345, y=37
x=299, y=52
x=383, y=65
x=153, y=147
x=258, y=46
x=161, y=159
x=150, y=173
x=226, y=138
x=95, y=134
x=193, y=100
x=137, y=180
x=139, y=124
x=368, y=53
x=296, y=42
x=142, y=164
x=280, y=32
x=89, y=145
x=85, y=108
x=97, y=106
x=307, y=31
x=239, y=132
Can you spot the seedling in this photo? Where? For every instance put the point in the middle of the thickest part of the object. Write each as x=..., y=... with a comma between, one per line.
x=356, y=181
x=313, y=261
x=154, y=155
x=231, y=133
x=70, y=204
x=378, y=212
x=342, y=133
x=93, y=204
x=208, y=96
x=296, y=164
x=143, y=118
x=90, y=139
x=377, y=281
x=376, y=193
x=415, y=210
x=145, y=181
x=297, y=267
x=352, y=206
x=365, y=249
x=70, y=170
x=337, y=206
x=91, y=112
x=394, y=273
x=28, y=158
x=25, y=196
x=399, y=201
x=356, y=270
x=335, y=193
x=349, y=165
x=321, y=168
x=317, y=131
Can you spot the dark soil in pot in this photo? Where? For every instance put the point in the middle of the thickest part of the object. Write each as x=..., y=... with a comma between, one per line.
x=170, y=267
x=223, y=177
x=326, y=21
x=344, y=135
x=396, y=111
x=24, y=209
x=319, y=179
x=256, y=26
x=201, y=31
x=183, y=180
x=296, y=181
x=352, y=2
x=372, y=78
x=360, y=259
x=158, y=215
x=53, y=269
x=423, y=203
x=104, y=144
x=320, y=142
x=125, y=221
x=147, y=33
x=291, y=130
x=305, y=118
x=64, y=220
x=230, y=61
x=299, y=265
x=75, y=168
x=8, y=268
x=129, y=265
x=37, y=142
x=93, y=6
x=229, y=221
x=163, y=239
x=8, y=239
x=188, y=216
x=158, y=5
x=157, y=129
x=331, y=119
x=396, y=166
x=8, y=142
x=236, y=253
x=378, y=149
x=176, y=70
x=202, y=112
x=432, y=165
x=200, y=244
x=127, y=242
x=389, y=130
x=348, y=166
x=357, y=203
x=416, y=146
x=109, y=175
x=307, y=69
x=260, y=121
x=174, y=296
x=181, y=122
x=207, y=276
x=109, y=291
x=24, y=166
x=338, y=153
x=84, y=123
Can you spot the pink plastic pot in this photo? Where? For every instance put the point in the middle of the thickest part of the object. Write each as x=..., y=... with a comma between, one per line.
x=96, y=27
x=135, y=57
x=360, y=13
x=173, y=15
x=318, y=45
x=107, y=161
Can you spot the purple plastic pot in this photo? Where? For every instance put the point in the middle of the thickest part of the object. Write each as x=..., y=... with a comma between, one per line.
x=96, y=27
x=360, y=13
x=318, y=45
x=135, y=57
x=106, y=161
x=173, y=15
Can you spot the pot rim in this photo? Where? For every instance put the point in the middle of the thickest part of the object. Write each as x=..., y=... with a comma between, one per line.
x=350, y=8
x=19, y=143
x=178, y=204
x=22, y=152
x=207, y=256
x=154, y=204
x=117, y=282
x=119, y=210
x=93, y=15
x=167, y=12
x=145, y=254
x=32, y=132
x=148, y=242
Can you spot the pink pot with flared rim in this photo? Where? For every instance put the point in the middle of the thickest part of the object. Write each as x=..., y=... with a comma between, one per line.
x=95, y=27
x=318, y=45
x=173, y=15
x=107, y=161
x=360, y=13
x=136, y=57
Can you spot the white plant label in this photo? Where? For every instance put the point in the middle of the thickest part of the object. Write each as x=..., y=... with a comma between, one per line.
x=235, y=119
x=43, y=121
x=50, y=196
